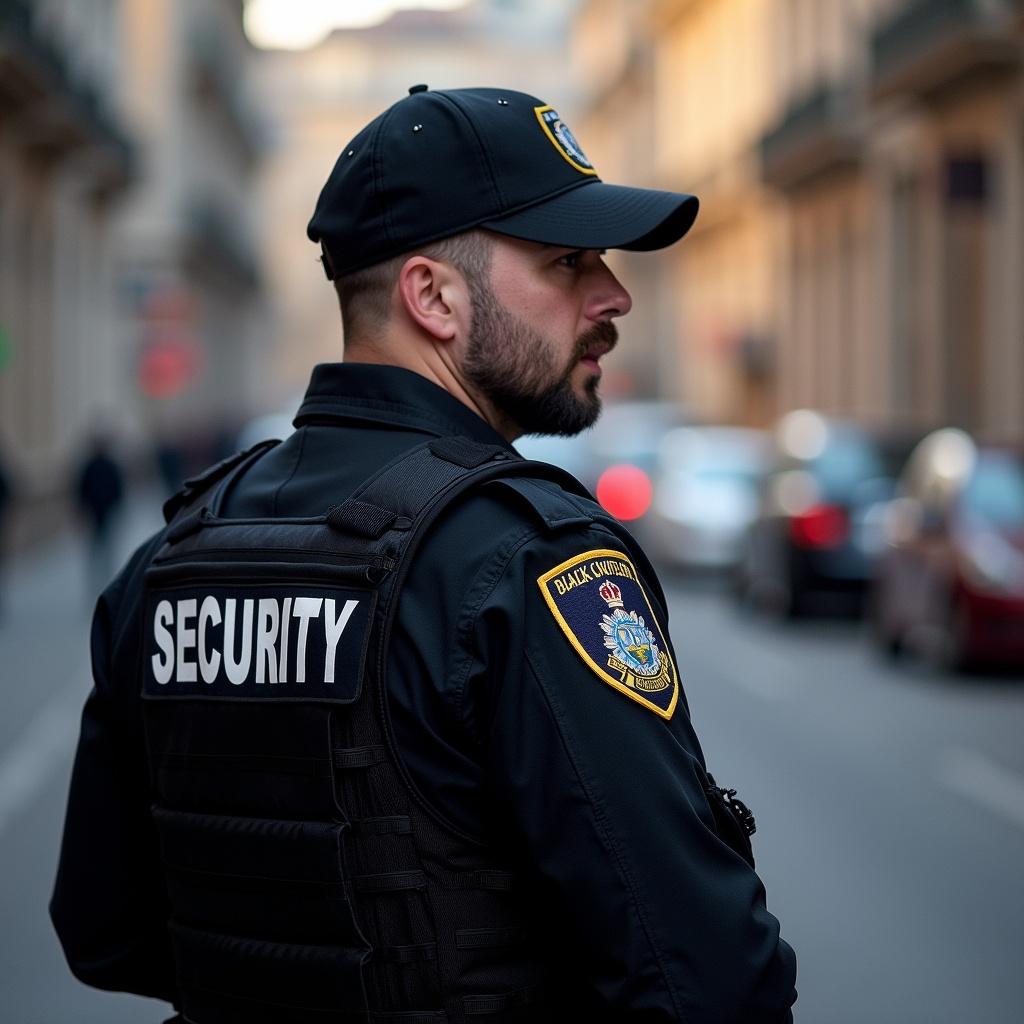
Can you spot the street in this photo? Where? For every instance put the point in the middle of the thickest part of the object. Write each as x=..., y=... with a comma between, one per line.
x=889, y=801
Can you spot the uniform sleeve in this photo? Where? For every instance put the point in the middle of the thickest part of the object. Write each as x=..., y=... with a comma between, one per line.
x=605, y=795
x=109, y=905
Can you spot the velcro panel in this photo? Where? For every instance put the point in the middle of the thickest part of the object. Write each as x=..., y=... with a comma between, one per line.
x=281, y=879
x=230, y=978
x=253, y=759
x=255, y=642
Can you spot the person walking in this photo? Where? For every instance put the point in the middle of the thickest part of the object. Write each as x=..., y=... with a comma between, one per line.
x=99, y=492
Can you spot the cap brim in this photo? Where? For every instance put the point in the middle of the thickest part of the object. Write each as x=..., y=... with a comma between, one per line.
x=600, y=216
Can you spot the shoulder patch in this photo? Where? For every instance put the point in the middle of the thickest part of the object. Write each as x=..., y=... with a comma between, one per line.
x=600, y=605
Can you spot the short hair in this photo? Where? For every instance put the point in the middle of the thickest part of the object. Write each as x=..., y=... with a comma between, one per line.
x=365, y=295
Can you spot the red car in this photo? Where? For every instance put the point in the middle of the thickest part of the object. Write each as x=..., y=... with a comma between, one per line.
x=950, y=583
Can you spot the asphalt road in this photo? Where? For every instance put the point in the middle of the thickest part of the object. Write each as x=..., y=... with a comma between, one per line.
x=890, y=804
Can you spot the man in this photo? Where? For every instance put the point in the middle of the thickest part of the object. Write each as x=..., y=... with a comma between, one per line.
x=444, y=769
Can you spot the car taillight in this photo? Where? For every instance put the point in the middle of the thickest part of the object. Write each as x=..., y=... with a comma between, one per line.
x=820, y=526
x=624, y=491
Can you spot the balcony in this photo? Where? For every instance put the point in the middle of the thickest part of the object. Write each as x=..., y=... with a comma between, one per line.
x=813, y=139
x=930, y=47
x=50, y=113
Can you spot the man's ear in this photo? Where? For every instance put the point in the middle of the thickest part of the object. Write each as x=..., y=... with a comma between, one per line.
x=434, y=296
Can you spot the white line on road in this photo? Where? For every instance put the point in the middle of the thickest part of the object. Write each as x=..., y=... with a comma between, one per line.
x=28, y=763
x=980, y=779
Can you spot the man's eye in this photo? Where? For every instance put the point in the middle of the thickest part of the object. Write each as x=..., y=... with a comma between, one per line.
x=571, y=259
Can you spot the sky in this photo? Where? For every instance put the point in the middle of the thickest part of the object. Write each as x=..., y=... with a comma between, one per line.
x=296, y=24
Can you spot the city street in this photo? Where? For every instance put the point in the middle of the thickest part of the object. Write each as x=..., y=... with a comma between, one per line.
x=890, y=803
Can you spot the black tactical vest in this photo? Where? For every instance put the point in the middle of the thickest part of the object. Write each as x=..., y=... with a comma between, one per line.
x=308, y=879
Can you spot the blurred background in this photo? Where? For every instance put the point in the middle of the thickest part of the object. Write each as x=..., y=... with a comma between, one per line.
x=815, y=417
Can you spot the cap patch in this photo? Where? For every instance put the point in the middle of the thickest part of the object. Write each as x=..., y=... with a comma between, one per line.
x=600, y=605
x=562, y=139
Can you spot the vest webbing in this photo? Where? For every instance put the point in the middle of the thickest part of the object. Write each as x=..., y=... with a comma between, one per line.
x=309, y=880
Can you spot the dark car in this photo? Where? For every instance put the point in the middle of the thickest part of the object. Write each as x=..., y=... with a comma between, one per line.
x=818, y=527
x=950, y=584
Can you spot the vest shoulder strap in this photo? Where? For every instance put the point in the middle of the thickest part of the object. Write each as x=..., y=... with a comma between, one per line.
x=195, y=486
x=549, y=503
x=418, y=486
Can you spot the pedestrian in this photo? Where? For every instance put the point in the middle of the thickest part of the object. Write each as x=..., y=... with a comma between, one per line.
x=387, y=724
x=99, y=493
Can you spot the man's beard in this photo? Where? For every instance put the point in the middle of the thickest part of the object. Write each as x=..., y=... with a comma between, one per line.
x=516, y=368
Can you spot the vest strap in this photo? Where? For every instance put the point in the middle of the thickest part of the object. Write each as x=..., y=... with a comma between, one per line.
x=360, y=757
x=466, y=453
x=364, y=520
x=392, y=881
x=479, y=1005
x=412, y=954
x=489, y=938
x=393, y=825
x=493, y=881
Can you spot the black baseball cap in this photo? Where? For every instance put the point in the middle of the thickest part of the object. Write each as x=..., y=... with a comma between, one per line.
x=438, y=163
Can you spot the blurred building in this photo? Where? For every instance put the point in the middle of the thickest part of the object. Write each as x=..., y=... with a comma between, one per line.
x=65, y=163
x=319, y=98
x=130, y=289
x=677, y=96
x=190, y=278
x=860, y=165
x=898, y=149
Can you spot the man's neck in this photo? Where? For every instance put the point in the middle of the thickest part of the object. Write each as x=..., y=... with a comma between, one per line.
x=438, y=371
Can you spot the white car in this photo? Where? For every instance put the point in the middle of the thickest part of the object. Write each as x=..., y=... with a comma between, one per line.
x=705, y=494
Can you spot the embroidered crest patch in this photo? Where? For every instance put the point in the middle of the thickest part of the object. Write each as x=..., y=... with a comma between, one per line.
x=599, y=604
x=563, y=140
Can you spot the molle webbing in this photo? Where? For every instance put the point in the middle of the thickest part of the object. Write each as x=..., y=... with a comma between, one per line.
x=309, y=880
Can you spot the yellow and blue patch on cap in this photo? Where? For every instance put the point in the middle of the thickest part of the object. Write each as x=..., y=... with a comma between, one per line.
x=562, y=139
x=599, y=603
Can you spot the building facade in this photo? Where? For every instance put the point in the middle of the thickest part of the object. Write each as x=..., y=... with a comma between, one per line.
x=898, y=151
x=859, y=164
x=130, y=287
x=65, y=164
x=191, y=282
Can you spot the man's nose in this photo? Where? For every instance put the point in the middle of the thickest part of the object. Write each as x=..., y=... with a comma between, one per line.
x=610, y=298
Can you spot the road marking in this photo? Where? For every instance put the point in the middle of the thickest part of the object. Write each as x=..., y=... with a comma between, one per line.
x=980, y=779
x=26, y=765
x=747, y=662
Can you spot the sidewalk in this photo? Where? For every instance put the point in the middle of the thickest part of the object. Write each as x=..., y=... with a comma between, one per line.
x=45, y=679
x=44, y=629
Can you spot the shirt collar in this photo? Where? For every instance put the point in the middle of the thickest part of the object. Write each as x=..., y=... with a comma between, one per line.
x=391, y=395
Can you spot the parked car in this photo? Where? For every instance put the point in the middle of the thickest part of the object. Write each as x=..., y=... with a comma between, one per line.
x=705, y=494
x=624, y=445
x=820, y=514
x=569, y=453
x=615, y=458
x=950, y=584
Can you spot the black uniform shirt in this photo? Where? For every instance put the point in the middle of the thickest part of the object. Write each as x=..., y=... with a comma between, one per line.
x=504, y=726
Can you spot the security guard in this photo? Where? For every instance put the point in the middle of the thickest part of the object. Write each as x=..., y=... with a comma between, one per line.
x=387, y=725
